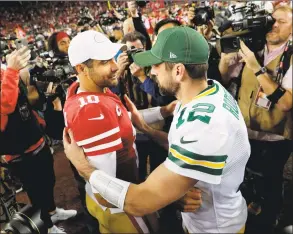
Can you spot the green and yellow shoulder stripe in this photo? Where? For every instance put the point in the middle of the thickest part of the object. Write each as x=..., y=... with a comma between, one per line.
x=209, y=164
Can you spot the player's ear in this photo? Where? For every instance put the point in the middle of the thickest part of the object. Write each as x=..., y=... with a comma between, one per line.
x=80, y=68
x=178, y=71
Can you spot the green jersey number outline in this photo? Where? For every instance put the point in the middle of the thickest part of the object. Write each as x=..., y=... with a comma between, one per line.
x=197, y=108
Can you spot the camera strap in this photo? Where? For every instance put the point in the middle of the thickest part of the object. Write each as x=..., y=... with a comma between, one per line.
x=284, y=62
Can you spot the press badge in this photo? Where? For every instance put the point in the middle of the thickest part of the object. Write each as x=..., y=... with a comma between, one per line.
x=261, y=99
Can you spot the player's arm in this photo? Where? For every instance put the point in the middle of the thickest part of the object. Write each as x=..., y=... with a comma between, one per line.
x=136, y=200
x=96, y=130
x=142, y=119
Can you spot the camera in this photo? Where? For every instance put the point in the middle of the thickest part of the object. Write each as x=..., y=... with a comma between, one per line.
x=18, y=218
x=203, y=14
x=86, y=18
x=252, y=30
x=4, y=49
x=132, y=51
x=27, y=220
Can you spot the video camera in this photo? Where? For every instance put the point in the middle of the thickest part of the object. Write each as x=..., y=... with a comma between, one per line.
x=4, y=49
x=252, y=30
x=203, y=14
x=86, y=18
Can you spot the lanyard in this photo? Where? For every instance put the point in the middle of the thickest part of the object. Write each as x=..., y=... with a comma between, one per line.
x=280, y=74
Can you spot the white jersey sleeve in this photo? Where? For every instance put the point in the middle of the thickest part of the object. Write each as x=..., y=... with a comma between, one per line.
x=199, y=143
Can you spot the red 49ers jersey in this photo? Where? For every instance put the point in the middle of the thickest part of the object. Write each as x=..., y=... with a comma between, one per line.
x=101, y=126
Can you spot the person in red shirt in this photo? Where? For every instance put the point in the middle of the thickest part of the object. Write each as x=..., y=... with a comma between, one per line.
x=21, y=138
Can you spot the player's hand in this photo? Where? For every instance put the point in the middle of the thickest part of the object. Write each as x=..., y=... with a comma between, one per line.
x=191, y=201
x=168, y=110
x=18, y=59
x=248, y=57
x=136, y=117
x=72, y=151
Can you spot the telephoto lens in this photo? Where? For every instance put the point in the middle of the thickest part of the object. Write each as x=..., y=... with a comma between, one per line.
x=28, y=221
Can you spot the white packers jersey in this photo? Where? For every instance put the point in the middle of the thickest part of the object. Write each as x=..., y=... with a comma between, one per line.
x=208, y=141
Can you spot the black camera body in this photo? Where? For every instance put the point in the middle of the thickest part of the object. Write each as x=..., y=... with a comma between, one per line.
x=27, y=220
x=252, y=30
x=203, y=15
x=132, y=52
x=86, y=18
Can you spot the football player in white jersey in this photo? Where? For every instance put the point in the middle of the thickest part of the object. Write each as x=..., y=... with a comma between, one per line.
x=208, y=142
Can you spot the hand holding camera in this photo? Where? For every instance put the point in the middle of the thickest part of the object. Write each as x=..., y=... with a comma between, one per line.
x=18, y=59
x=123, y=61
x=137, y=71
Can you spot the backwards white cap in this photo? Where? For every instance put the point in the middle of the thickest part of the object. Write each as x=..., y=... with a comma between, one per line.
x=92, y=45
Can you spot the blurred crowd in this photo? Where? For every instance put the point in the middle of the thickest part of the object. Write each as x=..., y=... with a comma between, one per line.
x=46, y=72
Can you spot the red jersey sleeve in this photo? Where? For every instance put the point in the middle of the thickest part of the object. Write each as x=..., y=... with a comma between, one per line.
x=9, y=94
x=95, y=127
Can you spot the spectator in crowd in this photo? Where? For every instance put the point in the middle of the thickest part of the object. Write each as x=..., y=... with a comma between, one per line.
x=265, y=100
x=146, y=89
x=190, y=160
x=135, y=23
x=22, y=138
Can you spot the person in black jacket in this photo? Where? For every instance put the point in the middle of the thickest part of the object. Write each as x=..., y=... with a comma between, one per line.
x=21, y=138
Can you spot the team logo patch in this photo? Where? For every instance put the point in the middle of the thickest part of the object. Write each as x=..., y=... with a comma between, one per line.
x=118, y=111
x=99, y=40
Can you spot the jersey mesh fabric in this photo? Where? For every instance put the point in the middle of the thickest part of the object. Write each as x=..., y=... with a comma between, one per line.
x=208, y=141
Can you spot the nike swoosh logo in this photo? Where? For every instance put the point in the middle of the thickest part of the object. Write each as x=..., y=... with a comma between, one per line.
x=98, y=118
x=182, y=141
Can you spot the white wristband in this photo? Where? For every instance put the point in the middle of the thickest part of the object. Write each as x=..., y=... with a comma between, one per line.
x=112, y=189
x=152, y=115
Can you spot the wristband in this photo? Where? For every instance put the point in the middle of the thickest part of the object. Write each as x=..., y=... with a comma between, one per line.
x=277, y=94
x=152, y=115
x=112, y=189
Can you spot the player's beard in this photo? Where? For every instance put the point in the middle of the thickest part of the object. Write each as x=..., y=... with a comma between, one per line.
x=170, y=89
x=107, y=81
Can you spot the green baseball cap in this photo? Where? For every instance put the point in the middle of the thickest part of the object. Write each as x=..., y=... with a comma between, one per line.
x=176, y=45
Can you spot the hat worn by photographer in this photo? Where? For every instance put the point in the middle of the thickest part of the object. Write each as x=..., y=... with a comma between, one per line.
x=176, y=45
x=92, y=45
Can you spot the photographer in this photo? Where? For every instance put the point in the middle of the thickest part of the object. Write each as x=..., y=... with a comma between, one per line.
x=205, y=29
x=203, y=20
x=59, y=42
x=135, y=23
x=265, y=100
x=21, y=137
x=145, y=90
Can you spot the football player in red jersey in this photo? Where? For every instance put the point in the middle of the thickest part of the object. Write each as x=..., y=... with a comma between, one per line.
x=102, y=127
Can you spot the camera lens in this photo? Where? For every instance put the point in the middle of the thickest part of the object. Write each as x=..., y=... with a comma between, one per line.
x=27, y=220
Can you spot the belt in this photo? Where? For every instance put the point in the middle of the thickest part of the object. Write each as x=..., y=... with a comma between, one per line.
x=37, y=150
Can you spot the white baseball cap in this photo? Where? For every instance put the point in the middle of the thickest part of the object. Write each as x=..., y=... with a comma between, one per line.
x=92, y=45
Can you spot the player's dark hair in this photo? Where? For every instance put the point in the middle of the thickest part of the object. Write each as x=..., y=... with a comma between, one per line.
x=164, y=22
x=194, y=71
